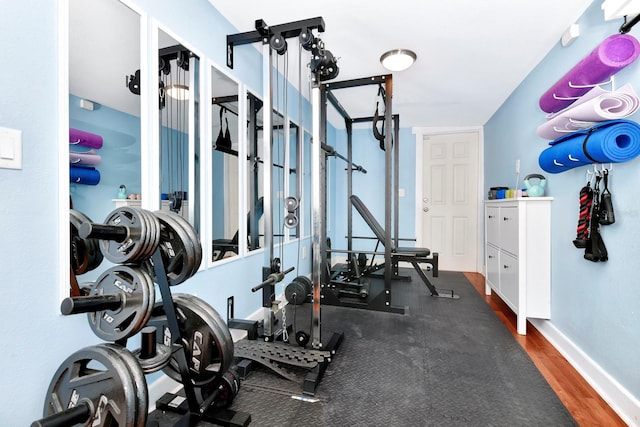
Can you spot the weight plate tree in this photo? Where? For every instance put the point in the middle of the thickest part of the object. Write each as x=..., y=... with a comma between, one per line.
x=205, y=337
x=97, y=386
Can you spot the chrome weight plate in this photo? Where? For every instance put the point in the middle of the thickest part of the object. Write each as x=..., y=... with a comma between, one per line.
x=138, y=297
x=98, y=376
x=204, y=335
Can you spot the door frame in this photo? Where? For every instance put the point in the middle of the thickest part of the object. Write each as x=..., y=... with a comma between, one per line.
x=419, y=133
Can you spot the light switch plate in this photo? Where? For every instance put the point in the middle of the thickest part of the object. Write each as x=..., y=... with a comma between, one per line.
x=10, y=148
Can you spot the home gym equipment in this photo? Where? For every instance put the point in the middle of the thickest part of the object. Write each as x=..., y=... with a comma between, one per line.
x=323, y=66
x=131, y=235
x=595, y=106
x=535, y=190
x=613, y=141
x=299, y=290
x=607, y=216
x=101, y=385
x=182, y=335
x=204, y=336
x=86, y=139
x=84, y=175
x=612, y=55
x=119, y=303
x=85, y=253
x=346, y=284
x=412, y=255
x=128, y=235
x=584, y=216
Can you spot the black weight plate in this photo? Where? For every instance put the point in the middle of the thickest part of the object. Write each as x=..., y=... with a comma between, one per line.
x=177, y=250
x=96, y=375
x=138, y=300
x=204, y=335
x=95, y=255
x=228, y=386
x=295, y=293
x=130, y=250
x=137, y=374
x=306, y=282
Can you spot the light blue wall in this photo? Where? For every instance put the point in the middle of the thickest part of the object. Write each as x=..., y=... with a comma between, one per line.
x=370, y=187
x=594, y=304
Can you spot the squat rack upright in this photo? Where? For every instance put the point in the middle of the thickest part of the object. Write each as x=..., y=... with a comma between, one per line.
x=391, y=191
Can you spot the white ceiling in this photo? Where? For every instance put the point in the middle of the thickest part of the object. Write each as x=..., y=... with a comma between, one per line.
x=471, y=55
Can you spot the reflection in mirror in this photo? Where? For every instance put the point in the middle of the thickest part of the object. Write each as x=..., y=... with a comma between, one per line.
x=225, y=164
x=179, y=124
x=293, y=214
x=104, y=115
x=255, y=170
x=278, y=176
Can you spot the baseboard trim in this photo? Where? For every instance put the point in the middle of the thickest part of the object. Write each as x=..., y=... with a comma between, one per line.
x=618, y=397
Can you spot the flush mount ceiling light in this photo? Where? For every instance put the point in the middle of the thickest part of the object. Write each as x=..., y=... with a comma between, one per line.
x=398, y=59
x=178, y=92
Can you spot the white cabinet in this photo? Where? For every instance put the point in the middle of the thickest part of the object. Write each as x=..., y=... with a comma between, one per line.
x=518, y=255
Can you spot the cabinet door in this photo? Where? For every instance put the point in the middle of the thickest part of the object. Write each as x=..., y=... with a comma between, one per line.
x=492, y=214
x=493, y=267
x=509, y=229
x=509, y=280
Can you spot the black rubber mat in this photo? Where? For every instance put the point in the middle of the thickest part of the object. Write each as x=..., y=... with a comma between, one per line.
x=444, y=363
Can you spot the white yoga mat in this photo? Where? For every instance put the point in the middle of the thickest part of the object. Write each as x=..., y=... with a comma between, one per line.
x=595, y=106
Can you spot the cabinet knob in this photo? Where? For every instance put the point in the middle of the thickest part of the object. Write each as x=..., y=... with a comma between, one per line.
x=506, y=267
x=490, y=216
x=490, y=256
x=506, y=218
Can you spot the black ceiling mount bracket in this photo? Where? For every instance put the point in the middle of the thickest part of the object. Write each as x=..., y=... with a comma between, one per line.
x=263, y=33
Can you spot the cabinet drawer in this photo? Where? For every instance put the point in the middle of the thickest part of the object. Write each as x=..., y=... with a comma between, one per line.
x=509, y=280
x=509, y=229
x=493, y=230
x=493, y=267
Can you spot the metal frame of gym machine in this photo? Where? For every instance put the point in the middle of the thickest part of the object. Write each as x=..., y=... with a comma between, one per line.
x=271, y=273
x=382, y=301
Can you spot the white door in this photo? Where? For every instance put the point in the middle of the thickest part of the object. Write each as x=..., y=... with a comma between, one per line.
x=449, y=207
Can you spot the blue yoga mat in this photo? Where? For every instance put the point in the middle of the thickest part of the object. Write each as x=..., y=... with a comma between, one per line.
x=86, y=176
x=612, y=141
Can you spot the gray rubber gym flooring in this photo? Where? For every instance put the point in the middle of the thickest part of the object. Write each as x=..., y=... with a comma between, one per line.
x=443, y=363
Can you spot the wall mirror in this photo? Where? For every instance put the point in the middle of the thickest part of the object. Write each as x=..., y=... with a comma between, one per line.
x=104, y=114
x=279, y=174
x=104, y=117
x=255, y=172
x=292, y=215
x=225, y=165
x=179, y=103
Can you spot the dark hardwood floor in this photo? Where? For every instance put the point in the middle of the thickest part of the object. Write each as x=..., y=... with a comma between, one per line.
x=584, y=403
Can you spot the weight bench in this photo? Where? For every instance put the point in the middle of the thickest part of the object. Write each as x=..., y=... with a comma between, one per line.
x=412, y=255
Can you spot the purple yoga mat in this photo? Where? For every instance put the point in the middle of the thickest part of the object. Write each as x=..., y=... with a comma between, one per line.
x=613, y=54
x=87, y=139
